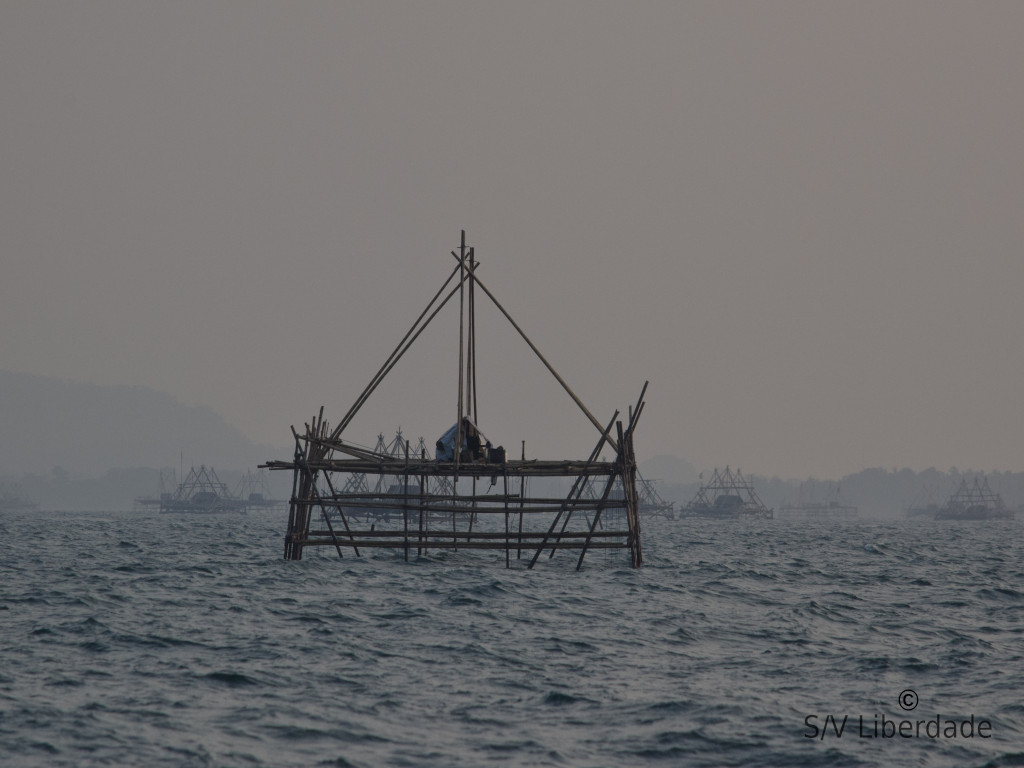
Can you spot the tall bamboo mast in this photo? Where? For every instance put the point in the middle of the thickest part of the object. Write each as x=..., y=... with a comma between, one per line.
x=462, y=322
x=471, y=371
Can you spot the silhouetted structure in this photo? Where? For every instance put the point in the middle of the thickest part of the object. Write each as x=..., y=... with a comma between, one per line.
x=201, y=492
x=727, y=496
x=974, y=502
x=420, y=503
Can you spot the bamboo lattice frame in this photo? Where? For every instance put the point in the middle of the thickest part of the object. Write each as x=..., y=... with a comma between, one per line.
x=420, y=503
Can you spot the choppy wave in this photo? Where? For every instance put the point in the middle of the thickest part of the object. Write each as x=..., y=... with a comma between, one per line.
x=154, y=640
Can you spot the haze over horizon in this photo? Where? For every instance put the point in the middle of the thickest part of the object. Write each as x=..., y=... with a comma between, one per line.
x=801, y=222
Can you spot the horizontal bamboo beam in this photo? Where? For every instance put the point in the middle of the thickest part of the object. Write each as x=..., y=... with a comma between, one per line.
x=355, y=505
x=463, y=535
x=431, y=468
x=414, y=542
x=458, y=503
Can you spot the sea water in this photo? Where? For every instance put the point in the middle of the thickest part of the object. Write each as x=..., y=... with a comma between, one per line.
x=172, y=640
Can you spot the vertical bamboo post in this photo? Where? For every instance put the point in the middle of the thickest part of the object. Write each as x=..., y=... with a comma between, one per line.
x=423, y=485
x=522, y=502
x=632, y=507
x=455, y=530
x=471, y=372
x=405, y=501
x=293, y=501
x=462, y=309
x=472, y=512
x=505, y=479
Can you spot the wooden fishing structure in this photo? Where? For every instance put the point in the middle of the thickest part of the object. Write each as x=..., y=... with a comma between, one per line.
x=727, y=496
x=975, y=502
x=201, y=492
x=471, y=495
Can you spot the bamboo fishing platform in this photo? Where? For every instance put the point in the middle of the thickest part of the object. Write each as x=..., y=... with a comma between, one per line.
x=728, y=496
x=201, y=492
x=470, y=495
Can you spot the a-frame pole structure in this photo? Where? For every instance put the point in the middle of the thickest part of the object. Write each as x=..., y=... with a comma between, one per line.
x=570, y=522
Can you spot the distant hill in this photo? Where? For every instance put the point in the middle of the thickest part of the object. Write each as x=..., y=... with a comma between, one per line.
x=88, y=429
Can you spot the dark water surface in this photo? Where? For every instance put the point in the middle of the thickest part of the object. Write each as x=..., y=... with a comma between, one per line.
x=160, y=640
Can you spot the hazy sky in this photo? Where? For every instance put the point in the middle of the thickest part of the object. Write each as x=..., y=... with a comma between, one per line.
x=802, y=221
